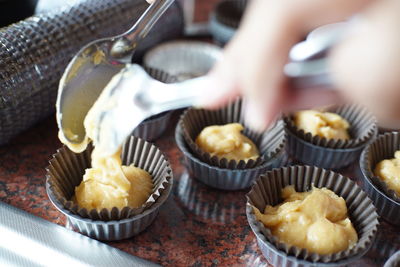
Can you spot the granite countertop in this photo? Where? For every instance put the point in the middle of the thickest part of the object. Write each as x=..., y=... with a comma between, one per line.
x=197, y=226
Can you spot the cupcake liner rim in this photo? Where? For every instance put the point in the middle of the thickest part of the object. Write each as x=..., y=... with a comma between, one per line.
x=372, y=179
x=379, y=190
x=349, y=190
x=68, y=213
x=356, y=112
x=186, y=151
x=160, y=180
x=261, y=236
x=176, y=57
x=193, y=118
x=351, y=149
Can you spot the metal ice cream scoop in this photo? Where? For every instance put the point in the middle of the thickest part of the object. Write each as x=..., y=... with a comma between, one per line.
x=93, y=67
x=131, y=97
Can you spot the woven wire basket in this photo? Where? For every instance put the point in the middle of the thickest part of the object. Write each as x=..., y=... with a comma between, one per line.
x=35, y=52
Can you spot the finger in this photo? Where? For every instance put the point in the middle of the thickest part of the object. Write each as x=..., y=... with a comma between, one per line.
x=222, y=87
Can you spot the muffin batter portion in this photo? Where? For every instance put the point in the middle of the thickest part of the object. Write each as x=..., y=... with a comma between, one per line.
x=109, y=184
x=323, y=124
x=227, y=141
x=316, y=220
x=388, y=171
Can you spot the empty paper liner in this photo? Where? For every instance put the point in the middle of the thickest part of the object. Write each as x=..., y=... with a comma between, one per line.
x=386, y=200
x=66, y=170
x=269, y=143
x=267, y=191
x=222, y=178
x=183, y=59
x=154, y=127
x=362, y=128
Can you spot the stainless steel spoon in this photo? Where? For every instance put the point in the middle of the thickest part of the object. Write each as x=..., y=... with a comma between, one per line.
x=93, y=67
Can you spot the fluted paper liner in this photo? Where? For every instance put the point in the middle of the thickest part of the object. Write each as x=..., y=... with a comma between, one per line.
x=183, y=59
x=269, y=143
x=323, y=157
x=386, y=200
x=362, y=129
x=66, y=170
x=382, y=148
x=153, y=127
x=266, y=191
x=225, y=179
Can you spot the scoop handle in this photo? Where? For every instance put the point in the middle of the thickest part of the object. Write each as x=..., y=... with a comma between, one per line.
x=161, y=97
x=129, y=40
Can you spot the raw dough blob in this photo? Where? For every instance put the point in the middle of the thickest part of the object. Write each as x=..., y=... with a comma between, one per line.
x=109, y=184
x=316, y=220
x=388, y=171
x=323, y=124
x=227, y=141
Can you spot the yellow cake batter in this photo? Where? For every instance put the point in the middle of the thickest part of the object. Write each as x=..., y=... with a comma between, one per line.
x=316, y=220
x=323, y=124
x=227, y=141
x=388, y=171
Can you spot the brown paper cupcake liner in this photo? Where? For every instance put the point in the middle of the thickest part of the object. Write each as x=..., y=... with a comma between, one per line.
x=183, y=59
x=66, y=170
x=220, y=178
x=386, y=200
x=328, y=158
x=269, y=143
x=362, y=128
x=155, y=126
x=266, y=191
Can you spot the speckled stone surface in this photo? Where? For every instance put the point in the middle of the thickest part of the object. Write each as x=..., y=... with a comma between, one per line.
x=198, y=226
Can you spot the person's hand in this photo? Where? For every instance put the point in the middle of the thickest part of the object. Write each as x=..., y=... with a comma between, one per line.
x=253, y=61
x=366, y=65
